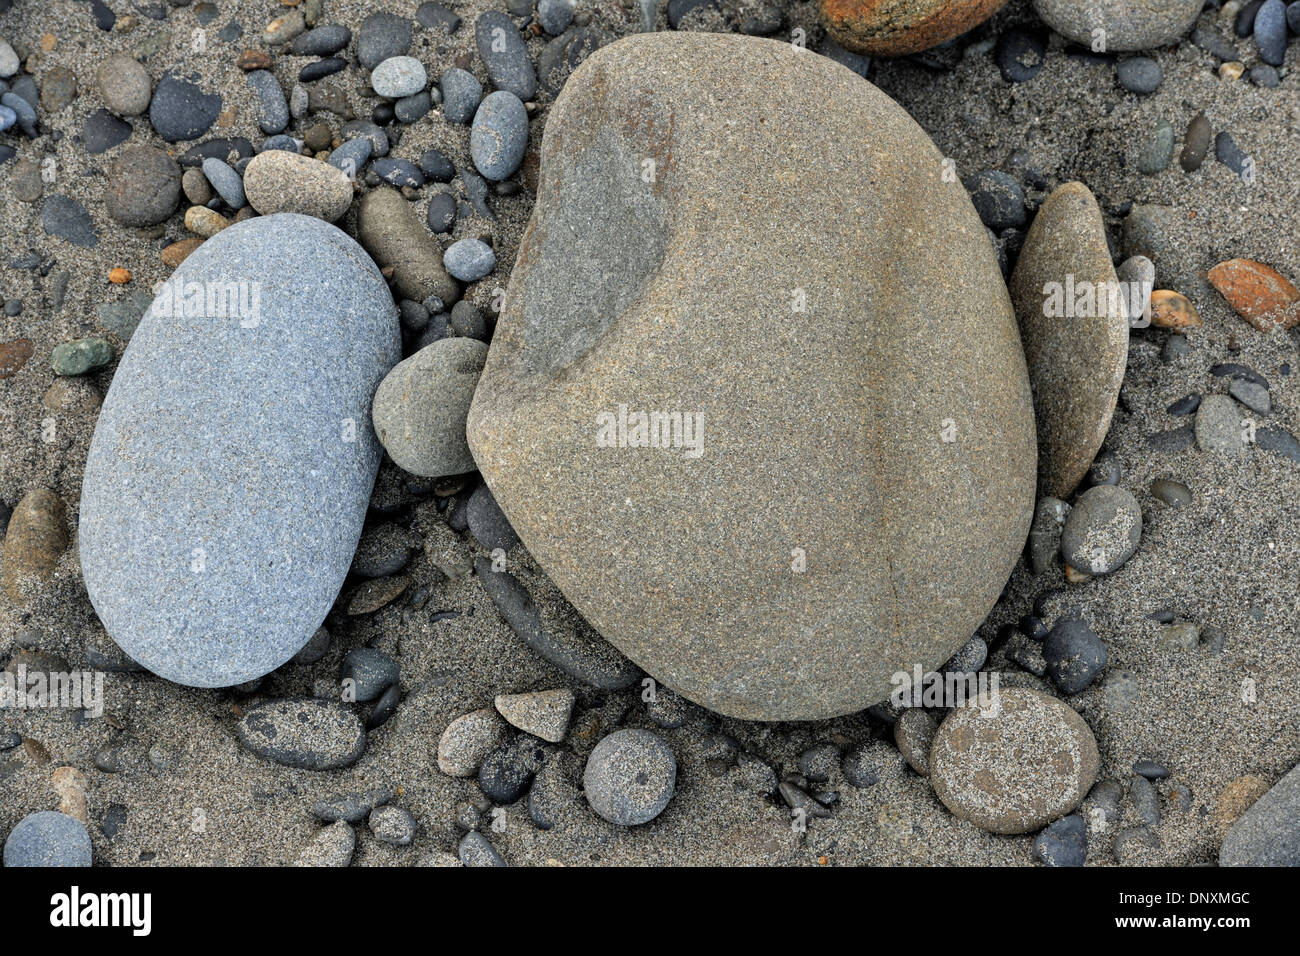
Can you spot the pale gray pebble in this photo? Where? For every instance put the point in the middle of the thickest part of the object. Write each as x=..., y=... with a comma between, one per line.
x=1173, y=493
x=398, y=172
x=1146, y=802
x=392, y=825
x=352, y=807
x=469, y=259
x=1251, y=394
x=1218, y=426
x=124, y=85
x=9, y=62
x=398, y=76
x=180, y=110
x=275, y=111
x=1156, y=150
x=226, y=182
x=630, y=777
x=299, y=101
x=461, y=94
x=499, y=135
x=308, y=733
x=555, y=15
x=1102, y=530
x=1138, y=272
x=379, y=144
x=476, y=850
x=332, y=846
x=48, y=838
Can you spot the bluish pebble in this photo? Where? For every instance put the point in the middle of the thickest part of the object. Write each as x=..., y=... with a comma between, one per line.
x=282, y=142
x=398, y=76
x=378, y=138
x=1229, y=153
x=351, y=156
x=555, y=15
x=226, y=182
x=398, y=172
x=1271, y=32
x=321, y=69
x=437, y=167
x=413, y=108
x=502, y=51
x=1139, y=74
x=180, y=110
x=461, y=93
x=469, y=259
x=1150, y=769
x=1264, y=76
x=1245, y=22
x=48, y=838
x=321, y=41
x=1063, y=843
x=441, y=214
x=382, y=35
x=24, y=114
x=7, y=118
x=499, y=135
x=1075, y=656
x=476, y=188
x=371, y=672
x=1145, y=799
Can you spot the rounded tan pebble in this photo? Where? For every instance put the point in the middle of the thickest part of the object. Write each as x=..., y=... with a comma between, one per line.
x=277, y=181
x=70, y=785
x=37, y=535
x=1236, y=798
x=202, y=221
x=124, y=85
x=178, y=252
x=1015, y=767
x=68, y=394
x=468, y=740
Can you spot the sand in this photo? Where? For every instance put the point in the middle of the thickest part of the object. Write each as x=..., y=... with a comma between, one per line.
x=192, y=795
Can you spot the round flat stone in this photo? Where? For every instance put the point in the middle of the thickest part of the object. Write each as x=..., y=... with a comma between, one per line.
x=48, y=838
x=1102, y=530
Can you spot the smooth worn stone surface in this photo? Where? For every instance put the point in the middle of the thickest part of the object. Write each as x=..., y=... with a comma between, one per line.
x=461, y=93
x=1127, y=24
x=1219, y=427
x=352, y=807
x=499, y=136
x=180, y=110
x=398, y=76
x=487, y=522
x=1139, y=74
x=1074, y=654
x=630, y=777
x=332, y=846
x=48, y=838
x=390, y=229
x=382, y=36
x=277, y=181
x=1102, y=530
x=102, y=131
x=304, y=732
x=476, y=850
x=124, y=85
x=1015, y=770
x=600, y=314
x=469, y=259
x=1076, y=361
x=144, y=186
x=37, y=535
x=1258, y=293
x=543, y=714
x=468, y=740
x=1268, y=834
x=226, y=182
x=421, y=406
x=884, y=28
x=1064, y=843
x=68, y=219
x=230, y=470
x=275, y=108
x=503, y=53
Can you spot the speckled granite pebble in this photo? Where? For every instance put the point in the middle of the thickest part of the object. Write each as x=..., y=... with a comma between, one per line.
x=232, y=463
x=48, y=838
x=305, y=732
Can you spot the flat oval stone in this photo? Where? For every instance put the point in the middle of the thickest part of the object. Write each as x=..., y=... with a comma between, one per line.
x=1127, y=24
x=232, y=463
x=277, y=181
x=1013, y=769
x=1075, y=330
x=499, y=136
x=619, y=299
x=304, y=732
x=894, y=28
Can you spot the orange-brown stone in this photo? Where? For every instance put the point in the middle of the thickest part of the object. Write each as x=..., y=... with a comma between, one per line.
x=1258, y=293
x=899, y=27
x=1173, y=310
x=14, y=355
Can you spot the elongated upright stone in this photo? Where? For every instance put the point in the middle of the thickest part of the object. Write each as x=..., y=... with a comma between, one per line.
x=232, y=463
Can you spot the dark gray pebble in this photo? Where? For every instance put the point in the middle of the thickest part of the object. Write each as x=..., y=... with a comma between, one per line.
x=1075, y=656
x=502, y=51
x=487, y=523
x=1063, y=843
x=180, y=110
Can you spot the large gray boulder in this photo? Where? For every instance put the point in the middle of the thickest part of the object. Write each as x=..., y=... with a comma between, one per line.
x=231, y=467
x=821, y=316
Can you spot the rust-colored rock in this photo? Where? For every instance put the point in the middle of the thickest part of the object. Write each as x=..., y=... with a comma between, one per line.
x=254, y=60
x=178, y=252
x=1258, y=293
x=899, y=27
x=14, y=355
x=37, y=535
x=1173, y=310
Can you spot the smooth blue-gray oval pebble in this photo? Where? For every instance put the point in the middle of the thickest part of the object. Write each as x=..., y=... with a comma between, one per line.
x=1139, y=74
x=555, y=15
x=24, y=113
x=226, y=182
x=1271, y=32
x=475, y=850
x=378, y=138
x=382, y=35
x=230, y=470
x=305, y=732
x=1293, y=18
x=180, y=110
x=499, y=136
x=469, y=259
x=437, y=167
x=461, y=93
x=282, y=142
x=1063, y=843
x=7, y=118
x=410, y=109
x=371, y=672
x=351, y=156
x=322, y=41
x=398, y=172
x=48, y=838
x=398, y=76
x=1074, y=654
x=441, y=214
x=502, y=51
x=275, y=108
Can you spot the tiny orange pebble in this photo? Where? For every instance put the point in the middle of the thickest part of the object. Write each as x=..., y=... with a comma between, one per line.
x=119, y=276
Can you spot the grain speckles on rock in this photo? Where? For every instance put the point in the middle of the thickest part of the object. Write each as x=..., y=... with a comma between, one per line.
x=302, y=732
